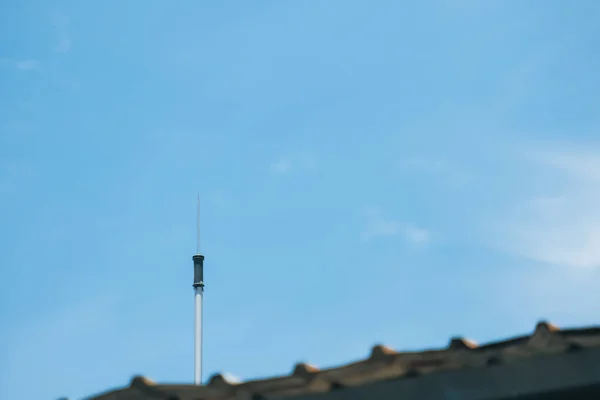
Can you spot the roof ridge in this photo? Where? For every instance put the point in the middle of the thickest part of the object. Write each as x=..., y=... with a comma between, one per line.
x=386, y=363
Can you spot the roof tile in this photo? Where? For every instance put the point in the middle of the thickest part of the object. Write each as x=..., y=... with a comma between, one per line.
x=383, y=364
x=381, y=353
x=223, y=380
x=304, y=370
x=459, y=343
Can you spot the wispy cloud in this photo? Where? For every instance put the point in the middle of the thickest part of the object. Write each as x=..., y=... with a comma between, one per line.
x=379, y=226
x=26, y=65
x=305, y=161
x=282, y=165
x=60, y=22
x=415, y=234
x=21, y=65
x=578, y=164
x=562, y=226
x=59, y=19
x=450, y=173
x=64, y=44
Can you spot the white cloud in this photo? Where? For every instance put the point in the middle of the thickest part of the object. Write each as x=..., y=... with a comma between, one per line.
x=21, y=65
x=449, y=172
x=577, y=164
x=378, y=226
x=26, y=65
x=281, y=166
x=561, y=227
x=416, y=235
x=305, y=161
x=60, y=22
x=64, y=44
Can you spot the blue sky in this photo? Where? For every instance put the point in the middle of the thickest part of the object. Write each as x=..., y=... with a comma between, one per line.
x=370, y=172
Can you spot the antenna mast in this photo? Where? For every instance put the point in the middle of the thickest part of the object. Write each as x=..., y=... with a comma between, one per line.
x=198, y=300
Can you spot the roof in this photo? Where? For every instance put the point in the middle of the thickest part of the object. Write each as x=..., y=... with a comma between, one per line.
x=549, y=355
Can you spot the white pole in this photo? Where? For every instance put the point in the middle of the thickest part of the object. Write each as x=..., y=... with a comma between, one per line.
x=198, y=335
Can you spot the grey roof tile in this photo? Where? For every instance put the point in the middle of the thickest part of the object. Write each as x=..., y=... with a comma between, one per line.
x=383, y=364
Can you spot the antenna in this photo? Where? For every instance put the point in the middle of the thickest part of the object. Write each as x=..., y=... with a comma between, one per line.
x=198, y=301
x=198, y=225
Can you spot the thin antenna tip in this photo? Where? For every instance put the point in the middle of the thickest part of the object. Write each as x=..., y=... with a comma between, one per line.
x=198, y=225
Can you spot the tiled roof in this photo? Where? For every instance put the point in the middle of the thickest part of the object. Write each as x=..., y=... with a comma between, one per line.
x=383, y=364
